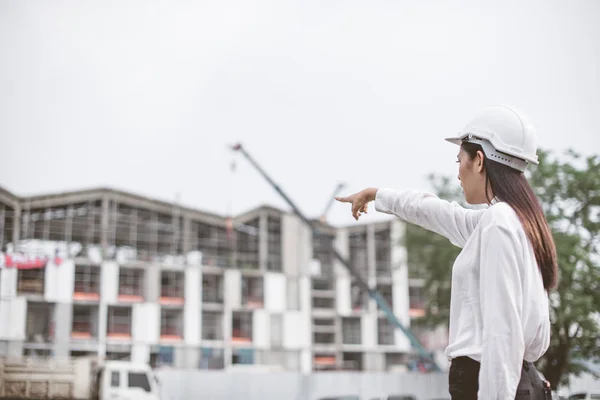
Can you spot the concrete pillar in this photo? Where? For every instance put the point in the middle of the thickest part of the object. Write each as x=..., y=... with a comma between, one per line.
x=133, y=225
x=25, y=223
x=15, y=312
x=192, y=309
x=290, y=248
x=261, y=334
x=109, y=282
x=145, y=323
x=102, y=326
x=112, y=238
x=16, y=225
x=227, y=325
x=46, y=234
x=104, y=225
x=371, y=269
x=275, y=287
x=263, y=249
x=140, y=353
x=305, y=245
x=95, y=321
x=342, y=246
x=187, y=231
x=59, y=282
x=152, y=282
x=338, y=335
x=91, y=223
x=8, y=283
x=153, y=234
x=69, y=224
x=63, y=321
x=343, y=297
x=368, y=330
x=233, y=288
x=371, y=255
x=296, y=250
x=2, y=218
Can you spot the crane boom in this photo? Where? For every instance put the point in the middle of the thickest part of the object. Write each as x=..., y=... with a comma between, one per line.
x=373, y=293
x=337, y=190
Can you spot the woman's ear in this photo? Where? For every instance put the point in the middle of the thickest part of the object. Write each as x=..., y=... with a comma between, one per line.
x=479, y=159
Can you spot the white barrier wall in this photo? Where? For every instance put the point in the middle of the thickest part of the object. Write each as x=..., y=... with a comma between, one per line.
x=213, y=385
x=178, y=384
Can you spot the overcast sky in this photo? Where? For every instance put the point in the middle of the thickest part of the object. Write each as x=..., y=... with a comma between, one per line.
x=144, y=96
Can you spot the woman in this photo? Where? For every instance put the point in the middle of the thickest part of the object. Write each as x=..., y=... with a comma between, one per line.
x=499, y=312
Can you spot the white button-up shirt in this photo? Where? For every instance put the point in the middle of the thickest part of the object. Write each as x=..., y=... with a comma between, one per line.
x=499, y=311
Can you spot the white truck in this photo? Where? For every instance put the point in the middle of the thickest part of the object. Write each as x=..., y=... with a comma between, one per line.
x=77, y=379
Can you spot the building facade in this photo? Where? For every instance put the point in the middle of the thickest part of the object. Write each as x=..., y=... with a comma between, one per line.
x=128, y=277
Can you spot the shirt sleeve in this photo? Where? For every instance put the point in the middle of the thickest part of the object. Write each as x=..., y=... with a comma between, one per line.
x=450, y=220
x=501, y=295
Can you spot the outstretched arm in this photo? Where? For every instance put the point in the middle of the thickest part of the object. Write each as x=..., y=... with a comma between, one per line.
x=428, y=211
x=420, y=208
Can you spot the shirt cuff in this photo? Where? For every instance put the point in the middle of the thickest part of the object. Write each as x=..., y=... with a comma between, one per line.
x=384, y=201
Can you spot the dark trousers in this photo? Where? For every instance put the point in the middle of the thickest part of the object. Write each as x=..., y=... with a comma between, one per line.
x=464, y=381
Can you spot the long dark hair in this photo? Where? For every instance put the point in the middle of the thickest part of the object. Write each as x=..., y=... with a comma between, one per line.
x=510, y=185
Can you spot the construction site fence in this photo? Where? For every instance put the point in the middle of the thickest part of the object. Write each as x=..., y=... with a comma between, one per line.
x=221, y=385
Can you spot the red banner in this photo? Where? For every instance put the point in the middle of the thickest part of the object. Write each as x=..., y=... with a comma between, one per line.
x=23, y=261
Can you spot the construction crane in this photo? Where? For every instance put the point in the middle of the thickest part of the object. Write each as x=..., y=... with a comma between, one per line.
x=373, y=293
x=337, y=190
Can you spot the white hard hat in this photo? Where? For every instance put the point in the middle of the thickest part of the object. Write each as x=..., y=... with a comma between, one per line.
x=505, y=135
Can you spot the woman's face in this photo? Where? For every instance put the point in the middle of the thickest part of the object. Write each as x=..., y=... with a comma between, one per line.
x=471, y=175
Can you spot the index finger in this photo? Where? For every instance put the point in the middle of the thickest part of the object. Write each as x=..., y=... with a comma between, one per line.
x=342, y=199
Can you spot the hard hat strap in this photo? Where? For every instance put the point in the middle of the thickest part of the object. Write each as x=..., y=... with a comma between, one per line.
x=491, y=153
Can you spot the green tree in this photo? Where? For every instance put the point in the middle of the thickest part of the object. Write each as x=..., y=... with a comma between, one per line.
x=568, y=188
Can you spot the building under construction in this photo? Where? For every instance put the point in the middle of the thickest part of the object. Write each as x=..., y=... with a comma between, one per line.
x=150, y=281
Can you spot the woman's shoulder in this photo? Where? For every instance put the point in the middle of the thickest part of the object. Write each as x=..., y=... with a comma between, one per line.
x=501, y=214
